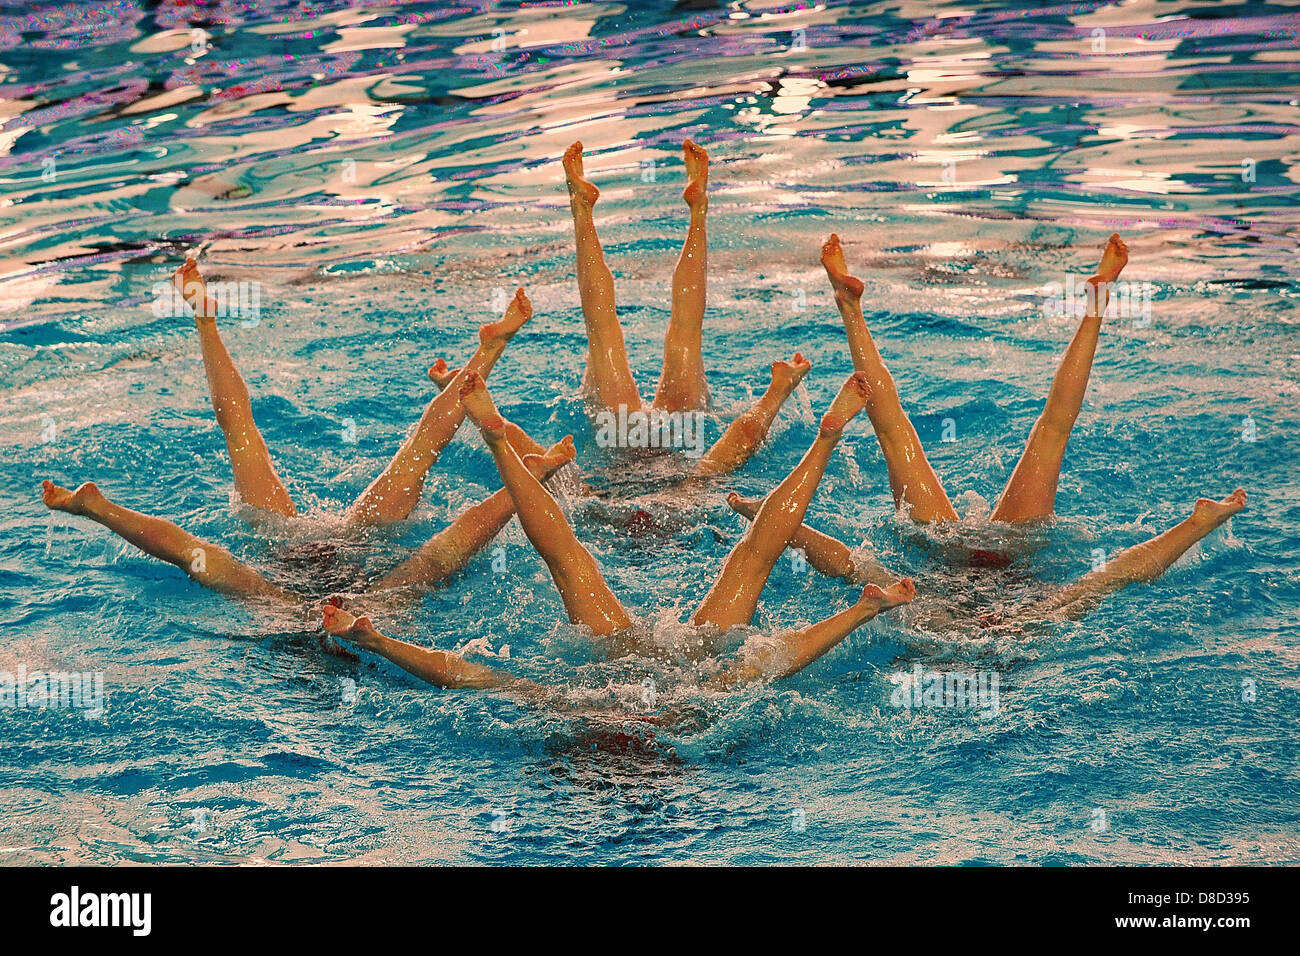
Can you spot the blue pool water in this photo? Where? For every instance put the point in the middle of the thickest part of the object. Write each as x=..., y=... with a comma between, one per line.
x=384, y=172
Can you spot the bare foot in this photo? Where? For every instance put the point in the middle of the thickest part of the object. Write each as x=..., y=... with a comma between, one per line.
x=580, y=190
x=745, y=507
x=853, y=397
x=192, y=287
x=440, y=375
x=697, y=175
x=519, y=311
x=845, y=285
x=1113, y=260
x=556, y=457
x=478, y=405
x=1214, y=513
x=340, y=623
x=77, y=502
x=787, y=375
x=901, y=591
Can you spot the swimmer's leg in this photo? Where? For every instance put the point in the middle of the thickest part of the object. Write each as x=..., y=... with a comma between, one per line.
x=1031, y=491
x=448, y=551
x=682, y=384
x=825, y=554
x=587, y=597
x=800, y=648
x=746, y=433
x=209, y=564
x=1142, y=562
x=911, y=478
x=394, y=494
x=734, y=596
x=610, y=376
x=250, y=460
x=440, y=668
x=442, y=376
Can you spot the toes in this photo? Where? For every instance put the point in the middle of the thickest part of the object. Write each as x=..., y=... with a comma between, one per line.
x=472, y=382
x=573, y=159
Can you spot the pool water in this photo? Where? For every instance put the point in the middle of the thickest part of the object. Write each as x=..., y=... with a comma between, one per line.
x=384, y=173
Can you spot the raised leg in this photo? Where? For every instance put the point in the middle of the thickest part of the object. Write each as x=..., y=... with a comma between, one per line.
x=586, y=596
x=1031, y=491
x=795, y=650
x=1142, y=562
x=440, y=668
x=734, y=596
x=209, y=564
x=911, y=478
x=520, y=440
x=250, y=460
x=682, y=384
x=394, y=494
x=608, y=372
x=448, y=551
x=825, y=554
x=746, y=433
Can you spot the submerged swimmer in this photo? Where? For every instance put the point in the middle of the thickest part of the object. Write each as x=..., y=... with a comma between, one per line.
x=587, y=597
x=1031, y=491
x=682, y=381
x=732, y=449
x=795, y=651
x=591, y=602
x=391, y=497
